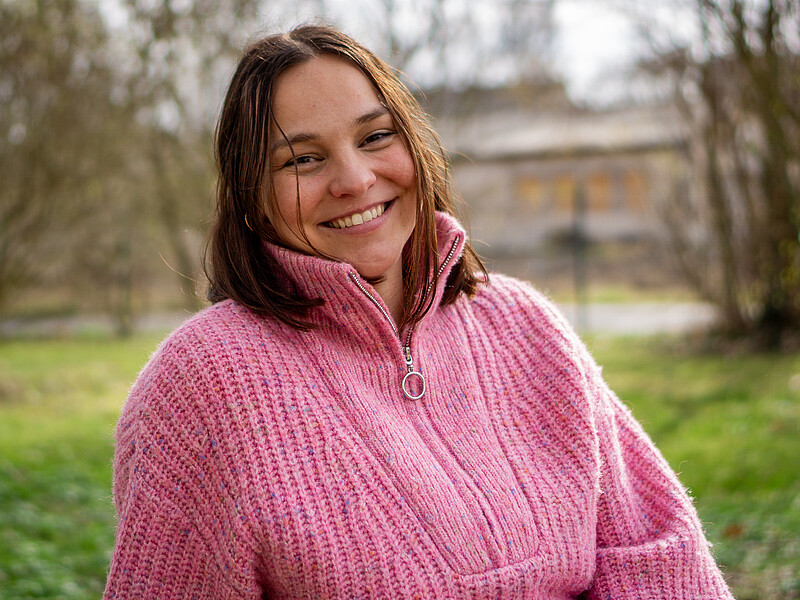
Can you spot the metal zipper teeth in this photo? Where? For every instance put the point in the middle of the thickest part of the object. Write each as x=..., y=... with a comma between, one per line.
x=354, y=277
x=442, y=267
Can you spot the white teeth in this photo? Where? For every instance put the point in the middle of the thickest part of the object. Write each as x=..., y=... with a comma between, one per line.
x=360, y=218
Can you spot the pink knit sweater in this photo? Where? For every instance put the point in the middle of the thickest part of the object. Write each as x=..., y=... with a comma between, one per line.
x=256, y=461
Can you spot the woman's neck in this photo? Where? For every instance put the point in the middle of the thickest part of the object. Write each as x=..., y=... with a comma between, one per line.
x=390, y=289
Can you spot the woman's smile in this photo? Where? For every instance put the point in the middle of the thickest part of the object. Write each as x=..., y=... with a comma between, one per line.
x=358, y=218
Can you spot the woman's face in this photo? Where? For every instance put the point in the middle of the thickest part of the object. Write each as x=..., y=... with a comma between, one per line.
x=354, y=174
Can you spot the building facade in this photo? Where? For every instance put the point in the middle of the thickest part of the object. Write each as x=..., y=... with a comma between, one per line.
x=536, y=171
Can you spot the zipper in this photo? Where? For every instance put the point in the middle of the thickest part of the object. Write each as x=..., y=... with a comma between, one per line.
x=411, y=371
x=354, y=277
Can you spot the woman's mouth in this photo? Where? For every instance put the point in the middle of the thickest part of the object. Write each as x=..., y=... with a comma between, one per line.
x=358, y=218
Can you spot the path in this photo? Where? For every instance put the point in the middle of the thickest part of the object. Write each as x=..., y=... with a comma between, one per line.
x=639, y=319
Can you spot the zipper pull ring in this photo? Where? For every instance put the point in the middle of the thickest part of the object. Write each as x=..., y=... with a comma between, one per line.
x=410, y=375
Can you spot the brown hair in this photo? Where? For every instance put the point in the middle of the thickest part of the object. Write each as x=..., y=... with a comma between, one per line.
x=237, y=264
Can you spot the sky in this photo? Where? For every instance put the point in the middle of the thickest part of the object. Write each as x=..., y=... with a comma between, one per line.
x=593, y=45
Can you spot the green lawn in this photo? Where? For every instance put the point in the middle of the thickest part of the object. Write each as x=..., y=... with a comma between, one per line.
x=58, y=404
x=730, y=426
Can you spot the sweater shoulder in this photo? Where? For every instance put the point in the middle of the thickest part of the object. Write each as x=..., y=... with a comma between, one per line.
x=214, y=334
x=187, y=413
x=518, y=303
x=518, y=318
x=225, y=320
x=202, y=357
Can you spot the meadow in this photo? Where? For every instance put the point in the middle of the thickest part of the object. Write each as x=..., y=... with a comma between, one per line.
x=729, y=425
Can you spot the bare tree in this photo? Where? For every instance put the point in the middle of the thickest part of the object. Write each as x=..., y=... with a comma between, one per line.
x=54, y=132
x=106, y=134
x=178, y=51
x=736, y=222
x=450, y=43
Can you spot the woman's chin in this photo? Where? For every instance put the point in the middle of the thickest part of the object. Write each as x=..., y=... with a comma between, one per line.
x=389, y=271
x=371, y=273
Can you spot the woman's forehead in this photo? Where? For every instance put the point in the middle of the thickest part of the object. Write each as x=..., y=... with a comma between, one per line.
x=324, y=91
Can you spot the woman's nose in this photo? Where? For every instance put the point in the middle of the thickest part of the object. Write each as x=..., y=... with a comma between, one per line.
x=353, y=176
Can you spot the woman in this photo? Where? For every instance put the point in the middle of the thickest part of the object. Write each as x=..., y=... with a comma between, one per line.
x=363, y=413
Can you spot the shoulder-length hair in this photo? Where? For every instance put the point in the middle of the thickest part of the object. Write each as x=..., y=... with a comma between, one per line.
x=238, y=266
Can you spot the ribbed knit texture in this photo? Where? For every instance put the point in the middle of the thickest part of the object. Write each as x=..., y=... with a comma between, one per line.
x=256, y=461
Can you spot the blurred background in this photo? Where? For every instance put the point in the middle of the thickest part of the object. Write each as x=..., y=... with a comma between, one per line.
x=639, y=161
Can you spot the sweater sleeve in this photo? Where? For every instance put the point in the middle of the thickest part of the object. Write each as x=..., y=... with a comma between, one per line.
x=650, y=543
x=160, y=553
x=177, y=535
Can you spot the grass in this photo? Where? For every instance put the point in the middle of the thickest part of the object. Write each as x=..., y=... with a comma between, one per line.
x=58, y=403
x=730, y=426
x=618, y=293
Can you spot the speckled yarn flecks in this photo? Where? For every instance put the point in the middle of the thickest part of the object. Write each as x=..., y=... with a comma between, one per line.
x=255, y=461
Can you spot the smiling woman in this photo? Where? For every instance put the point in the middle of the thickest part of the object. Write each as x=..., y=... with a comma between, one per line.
x=271, y=187
x=342, y=177
x=363, y=413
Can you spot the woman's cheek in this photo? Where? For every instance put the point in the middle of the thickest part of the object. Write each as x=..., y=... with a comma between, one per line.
x=406, y=174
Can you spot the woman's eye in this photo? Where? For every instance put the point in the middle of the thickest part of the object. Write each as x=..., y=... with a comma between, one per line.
x=378, y=136
x=298, y=161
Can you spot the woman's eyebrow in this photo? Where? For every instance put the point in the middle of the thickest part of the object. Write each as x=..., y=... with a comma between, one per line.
x=310, y=137
x=372, y=115
x=297, y=138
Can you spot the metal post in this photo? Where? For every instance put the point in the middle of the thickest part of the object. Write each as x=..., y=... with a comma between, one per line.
x=579, y=244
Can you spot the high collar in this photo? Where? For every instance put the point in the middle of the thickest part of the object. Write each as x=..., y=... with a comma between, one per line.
x=342, y=288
